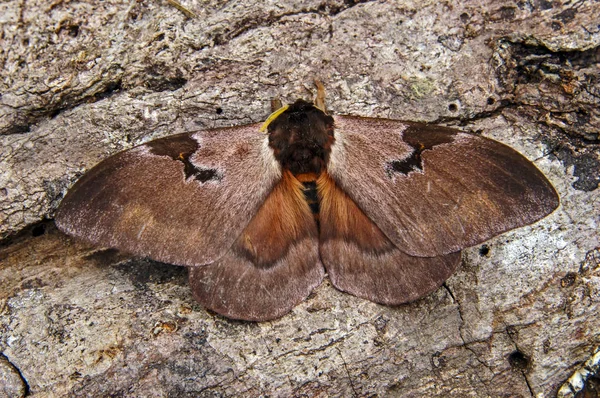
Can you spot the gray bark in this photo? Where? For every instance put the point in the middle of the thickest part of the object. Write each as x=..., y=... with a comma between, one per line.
x=83, y=80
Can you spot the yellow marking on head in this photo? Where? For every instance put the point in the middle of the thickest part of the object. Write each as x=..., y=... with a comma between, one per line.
x=272, y=117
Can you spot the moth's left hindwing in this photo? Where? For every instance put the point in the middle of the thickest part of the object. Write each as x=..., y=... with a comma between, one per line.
x=183, y=199
x=272, y=266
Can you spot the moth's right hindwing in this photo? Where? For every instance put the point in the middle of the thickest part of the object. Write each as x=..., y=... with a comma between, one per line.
x=183, y=199
x=362, y=261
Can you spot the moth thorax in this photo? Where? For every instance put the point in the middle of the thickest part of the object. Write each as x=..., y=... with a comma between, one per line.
x=301, y=138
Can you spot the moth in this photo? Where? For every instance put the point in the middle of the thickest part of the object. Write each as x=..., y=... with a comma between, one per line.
x=260, y=214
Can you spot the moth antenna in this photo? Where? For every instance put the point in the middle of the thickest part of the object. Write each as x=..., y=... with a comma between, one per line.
x=276, y=104
x=320, y=99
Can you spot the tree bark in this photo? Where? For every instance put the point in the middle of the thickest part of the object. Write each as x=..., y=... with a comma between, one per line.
x=83, y=80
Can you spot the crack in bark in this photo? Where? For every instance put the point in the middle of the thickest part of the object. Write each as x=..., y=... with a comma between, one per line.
x=510, y=336
x=53, y=107
x=445, y=286
x=18, y=372
x=464, y=120
x=465, y=345
x=248, y=24
x=348, y=373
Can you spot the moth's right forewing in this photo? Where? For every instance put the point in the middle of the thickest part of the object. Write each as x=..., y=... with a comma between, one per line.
x=183, y=199
x=434, y=190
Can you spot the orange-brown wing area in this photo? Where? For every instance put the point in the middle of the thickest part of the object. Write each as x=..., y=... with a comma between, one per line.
x=272, y=266
x=362, y=261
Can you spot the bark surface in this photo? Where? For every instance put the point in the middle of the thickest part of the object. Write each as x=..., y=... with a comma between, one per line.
x=82, y=80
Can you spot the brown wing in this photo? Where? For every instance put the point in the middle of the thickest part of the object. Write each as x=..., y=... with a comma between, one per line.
x=272, y=266
x=182, y=199
x=434, y=190
x=360, y=259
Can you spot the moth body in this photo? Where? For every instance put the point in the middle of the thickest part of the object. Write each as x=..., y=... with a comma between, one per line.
x=301, y=139
x=383, y=206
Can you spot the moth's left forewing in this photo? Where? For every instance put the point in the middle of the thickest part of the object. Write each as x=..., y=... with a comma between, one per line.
x=434, y=190
x=182, y=199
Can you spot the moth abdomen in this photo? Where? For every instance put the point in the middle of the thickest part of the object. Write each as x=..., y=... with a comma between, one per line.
x=310, y=195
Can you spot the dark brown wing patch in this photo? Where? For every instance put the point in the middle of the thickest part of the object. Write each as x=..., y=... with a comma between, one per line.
x=420, y=142
x=180, y=148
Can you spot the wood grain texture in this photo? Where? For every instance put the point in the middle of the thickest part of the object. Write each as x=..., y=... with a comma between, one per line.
x=64, y=307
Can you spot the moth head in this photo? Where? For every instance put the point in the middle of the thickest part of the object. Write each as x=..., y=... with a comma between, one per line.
x=301, y=137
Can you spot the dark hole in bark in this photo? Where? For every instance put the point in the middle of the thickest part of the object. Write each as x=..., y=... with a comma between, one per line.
x=518, y=360
x=38, y=230
x=484, y=250
x=568, y=280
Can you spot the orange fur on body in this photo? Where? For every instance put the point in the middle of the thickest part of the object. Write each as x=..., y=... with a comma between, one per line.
x=307, y=177
x=284, y=218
